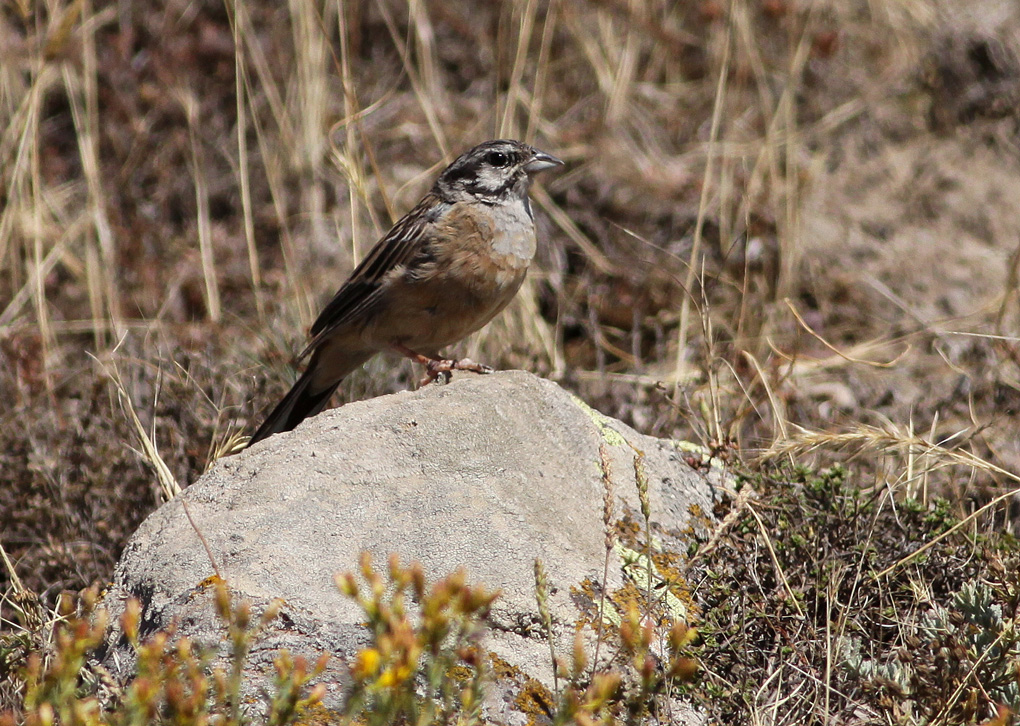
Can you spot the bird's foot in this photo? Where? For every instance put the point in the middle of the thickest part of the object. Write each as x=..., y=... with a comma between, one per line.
x=444, y=367
x=436, y=367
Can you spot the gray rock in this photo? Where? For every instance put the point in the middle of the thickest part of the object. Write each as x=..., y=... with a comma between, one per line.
x=486, y=473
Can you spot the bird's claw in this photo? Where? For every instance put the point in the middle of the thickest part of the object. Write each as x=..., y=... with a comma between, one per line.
x=436, y=367
x=466, y=364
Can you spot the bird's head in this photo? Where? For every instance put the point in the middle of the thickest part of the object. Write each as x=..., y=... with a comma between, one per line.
x=493, y=172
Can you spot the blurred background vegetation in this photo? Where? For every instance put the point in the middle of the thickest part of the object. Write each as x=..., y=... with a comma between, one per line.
x=784, y=226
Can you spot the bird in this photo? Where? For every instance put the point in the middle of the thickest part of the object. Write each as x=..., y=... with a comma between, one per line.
x=443, y=271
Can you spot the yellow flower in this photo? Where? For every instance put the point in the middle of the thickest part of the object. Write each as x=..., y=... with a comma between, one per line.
x=366, y=664
x=393, y=676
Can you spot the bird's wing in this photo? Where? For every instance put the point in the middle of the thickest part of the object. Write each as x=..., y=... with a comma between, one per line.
x=358, y=297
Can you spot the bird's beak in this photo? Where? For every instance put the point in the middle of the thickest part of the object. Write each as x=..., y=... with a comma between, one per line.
x=541, y=161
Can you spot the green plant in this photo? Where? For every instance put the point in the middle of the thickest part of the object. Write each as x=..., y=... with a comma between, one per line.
x=424, y=665
x=175, y=682
x=630, y=690
x=846, y=606
x=962, y=653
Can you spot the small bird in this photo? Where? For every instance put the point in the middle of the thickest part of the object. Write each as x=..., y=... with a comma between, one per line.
x=441, y=273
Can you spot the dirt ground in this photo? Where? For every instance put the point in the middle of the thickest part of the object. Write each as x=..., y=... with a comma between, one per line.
x=774, y=214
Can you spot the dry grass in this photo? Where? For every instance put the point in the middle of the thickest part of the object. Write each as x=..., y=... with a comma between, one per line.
x=183, y=184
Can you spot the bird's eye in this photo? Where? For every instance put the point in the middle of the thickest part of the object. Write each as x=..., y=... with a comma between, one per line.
x=497, y=159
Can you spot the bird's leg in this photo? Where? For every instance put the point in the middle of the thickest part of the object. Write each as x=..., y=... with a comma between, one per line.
x=435, y=367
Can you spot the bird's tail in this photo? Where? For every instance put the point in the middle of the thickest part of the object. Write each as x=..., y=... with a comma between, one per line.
x=299, y=403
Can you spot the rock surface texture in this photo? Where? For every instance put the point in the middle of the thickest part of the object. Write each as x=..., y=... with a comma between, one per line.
x=487, y=473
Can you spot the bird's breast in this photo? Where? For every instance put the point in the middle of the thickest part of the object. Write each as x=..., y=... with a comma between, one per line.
x=485, y=251
x=472, y=265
